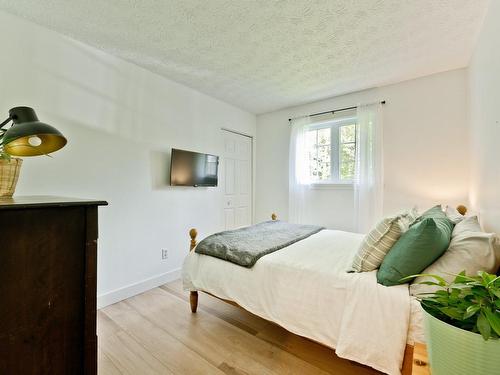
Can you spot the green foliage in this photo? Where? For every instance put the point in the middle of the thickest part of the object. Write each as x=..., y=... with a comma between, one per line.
x=347, y=161
x=3, y=154
x=468, y=302
x=319, y=154
x=319, y=144
x=347, y=151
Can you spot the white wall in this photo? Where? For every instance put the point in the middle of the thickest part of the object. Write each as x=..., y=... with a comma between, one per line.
x=484, y=95
x=425, y=149
x=121, y=122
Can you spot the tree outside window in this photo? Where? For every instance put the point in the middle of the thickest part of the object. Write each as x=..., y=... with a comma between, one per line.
x=332, y=152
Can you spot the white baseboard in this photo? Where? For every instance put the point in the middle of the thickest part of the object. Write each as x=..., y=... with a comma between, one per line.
x=120, y=294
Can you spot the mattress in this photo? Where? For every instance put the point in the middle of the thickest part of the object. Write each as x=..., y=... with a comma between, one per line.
x=306, y=289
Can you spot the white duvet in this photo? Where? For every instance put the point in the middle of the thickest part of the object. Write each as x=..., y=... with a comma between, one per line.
x=305, y=288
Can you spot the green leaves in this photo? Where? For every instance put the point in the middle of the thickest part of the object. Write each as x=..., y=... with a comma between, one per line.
x=493, y=320
x=483, y=326
x=452, y=312
x=439, y=280
x=471, y=311
x=4, y=155
x=462, y=278
x=468, y=302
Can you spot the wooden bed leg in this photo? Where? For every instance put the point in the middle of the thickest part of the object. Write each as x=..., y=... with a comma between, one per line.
x=193, y=300
x=407, y=361
x=193, y=296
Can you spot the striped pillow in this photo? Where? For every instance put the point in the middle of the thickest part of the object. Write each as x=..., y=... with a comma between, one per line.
x=380, y=240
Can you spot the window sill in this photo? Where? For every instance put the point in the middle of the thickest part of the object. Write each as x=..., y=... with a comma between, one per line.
x=332, y=186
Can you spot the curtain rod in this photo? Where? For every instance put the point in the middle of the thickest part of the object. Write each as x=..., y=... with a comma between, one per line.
x=334, y=110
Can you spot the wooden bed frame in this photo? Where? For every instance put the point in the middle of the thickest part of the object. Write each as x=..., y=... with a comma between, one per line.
x=193, y=300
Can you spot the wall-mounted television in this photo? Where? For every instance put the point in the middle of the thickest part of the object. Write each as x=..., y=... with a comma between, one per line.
x=189, y=168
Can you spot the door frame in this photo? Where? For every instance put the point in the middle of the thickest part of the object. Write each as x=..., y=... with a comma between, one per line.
x=252, y=170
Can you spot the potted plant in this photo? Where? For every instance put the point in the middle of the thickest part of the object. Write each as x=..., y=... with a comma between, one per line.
x=462, y=324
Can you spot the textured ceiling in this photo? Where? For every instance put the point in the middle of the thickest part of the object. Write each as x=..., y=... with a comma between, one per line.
x=263, y=55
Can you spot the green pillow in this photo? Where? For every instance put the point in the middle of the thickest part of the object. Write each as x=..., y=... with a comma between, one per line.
x=417, y=248
x=435, y=212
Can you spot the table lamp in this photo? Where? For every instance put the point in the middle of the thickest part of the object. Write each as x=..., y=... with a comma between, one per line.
x=28, y=136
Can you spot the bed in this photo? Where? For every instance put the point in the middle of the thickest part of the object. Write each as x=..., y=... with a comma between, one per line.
x=350, y=312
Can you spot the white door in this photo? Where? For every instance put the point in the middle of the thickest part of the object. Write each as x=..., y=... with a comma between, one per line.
x=237, y=185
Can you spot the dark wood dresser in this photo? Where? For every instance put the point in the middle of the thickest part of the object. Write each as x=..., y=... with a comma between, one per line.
x=48, y=264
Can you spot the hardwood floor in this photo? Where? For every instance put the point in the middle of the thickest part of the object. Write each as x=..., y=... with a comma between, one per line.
x=155, y=333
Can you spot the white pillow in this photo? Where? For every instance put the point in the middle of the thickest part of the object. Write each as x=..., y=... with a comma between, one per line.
x=454, y=215
x=470, y=249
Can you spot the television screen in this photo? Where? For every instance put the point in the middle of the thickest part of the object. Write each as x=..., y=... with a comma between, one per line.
x=189, y=168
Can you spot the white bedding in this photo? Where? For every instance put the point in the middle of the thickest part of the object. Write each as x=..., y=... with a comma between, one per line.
x=305, y=288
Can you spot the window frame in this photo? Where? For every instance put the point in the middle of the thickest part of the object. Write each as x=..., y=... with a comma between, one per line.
x=334, y=126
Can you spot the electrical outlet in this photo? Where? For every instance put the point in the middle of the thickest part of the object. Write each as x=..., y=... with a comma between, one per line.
x=164, y=254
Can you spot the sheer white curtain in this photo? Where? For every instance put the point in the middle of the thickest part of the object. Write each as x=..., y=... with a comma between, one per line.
x=299, y=180
x=368, y=183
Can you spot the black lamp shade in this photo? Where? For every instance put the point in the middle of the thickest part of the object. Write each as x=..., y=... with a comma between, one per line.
x=30, y=137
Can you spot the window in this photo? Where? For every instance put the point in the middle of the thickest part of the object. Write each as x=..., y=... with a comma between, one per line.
x=332, y=151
